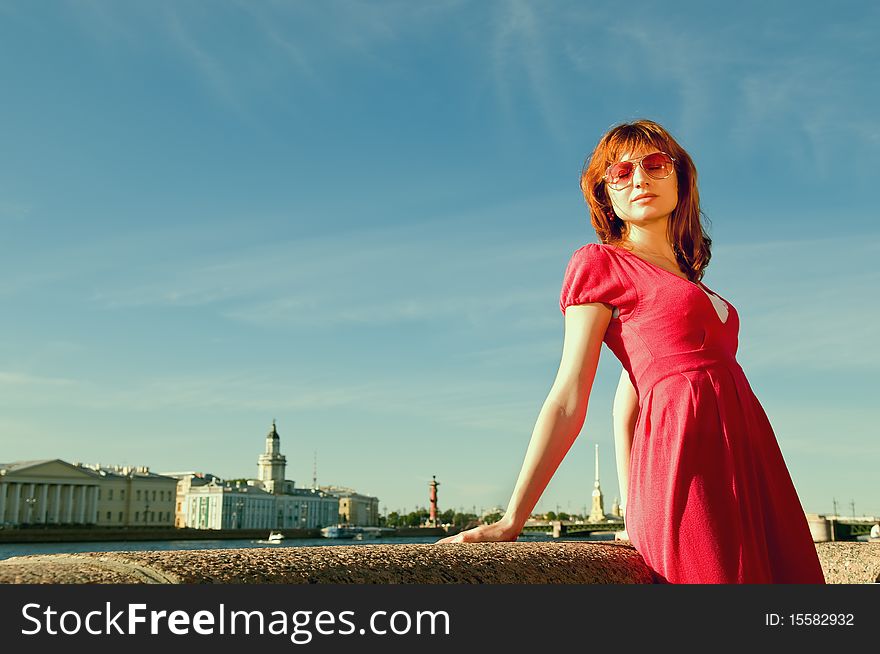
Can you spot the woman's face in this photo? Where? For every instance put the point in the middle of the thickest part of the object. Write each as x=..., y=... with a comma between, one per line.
x=644, y=199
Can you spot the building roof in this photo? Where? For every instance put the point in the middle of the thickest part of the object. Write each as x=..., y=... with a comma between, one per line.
x=23, y=466
x=343, y=492
x=142, y=472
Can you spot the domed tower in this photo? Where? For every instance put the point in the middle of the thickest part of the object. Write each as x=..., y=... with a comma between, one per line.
x=272, y=464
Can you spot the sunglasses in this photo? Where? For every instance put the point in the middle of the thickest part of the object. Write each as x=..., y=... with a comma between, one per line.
x=658, y=165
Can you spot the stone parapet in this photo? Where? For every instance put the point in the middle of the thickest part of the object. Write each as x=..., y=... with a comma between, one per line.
x=460, y=563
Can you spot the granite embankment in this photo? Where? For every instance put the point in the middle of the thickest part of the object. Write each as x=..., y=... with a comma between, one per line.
x=610, y=562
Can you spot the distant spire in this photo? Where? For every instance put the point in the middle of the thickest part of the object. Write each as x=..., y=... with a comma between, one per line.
x=597, y=513
x=315, y=472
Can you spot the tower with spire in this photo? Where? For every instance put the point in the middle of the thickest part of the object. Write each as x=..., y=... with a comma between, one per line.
x=272, y=465
x=597, y=512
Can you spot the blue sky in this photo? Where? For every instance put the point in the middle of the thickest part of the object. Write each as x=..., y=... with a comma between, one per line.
x=354, y=218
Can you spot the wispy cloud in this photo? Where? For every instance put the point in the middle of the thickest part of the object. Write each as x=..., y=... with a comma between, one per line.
x=806, y=94
x=104, y=22
x=373, y=276
x=431, y=399
x=525, y=353
x=814, y=97
x=521, y=65
x=272, y=40
x=18, y=380
x=211, y=68
x=804, y=304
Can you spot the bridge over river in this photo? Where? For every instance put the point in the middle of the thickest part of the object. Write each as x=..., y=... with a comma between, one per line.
x=558, y=528
x=823, y=527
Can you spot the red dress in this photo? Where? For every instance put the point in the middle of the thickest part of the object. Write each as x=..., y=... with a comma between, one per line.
x=710, y=498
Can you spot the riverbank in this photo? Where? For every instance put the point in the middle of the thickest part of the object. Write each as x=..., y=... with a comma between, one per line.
x=96, y=535
x=522, y=562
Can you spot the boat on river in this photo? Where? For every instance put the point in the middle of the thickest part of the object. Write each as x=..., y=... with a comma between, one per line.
x=339, y=531
x=356, y=533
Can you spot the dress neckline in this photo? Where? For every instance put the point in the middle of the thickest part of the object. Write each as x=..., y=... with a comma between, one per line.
x=653, y=265
x=705, y=290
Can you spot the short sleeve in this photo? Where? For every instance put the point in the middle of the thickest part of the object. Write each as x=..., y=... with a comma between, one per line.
x=590, y=277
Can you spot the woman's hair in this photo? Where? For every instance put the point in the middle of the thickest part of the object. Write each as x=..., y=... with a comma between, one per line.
x=689, y=239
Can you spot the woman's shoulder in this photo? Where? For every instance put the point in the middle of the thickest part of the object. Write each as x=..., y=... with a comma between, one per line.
x=590, y=266
x=596, y=254
x=593, y=275
x=588, y=250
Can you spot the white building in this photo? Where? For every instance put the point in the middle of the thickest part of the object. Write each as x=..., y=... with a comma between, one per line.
x=222, y=505
x=219, y=505
x=268, y=502
x=307, y=508
x=272, y=464
x=185, y=481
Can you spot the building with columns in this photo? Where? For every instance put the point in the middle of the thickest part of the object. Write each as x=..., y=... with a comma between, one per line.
x=186, y=481
x=211, y=503
x=54, y=492
x=47, y=492
x=215, y=504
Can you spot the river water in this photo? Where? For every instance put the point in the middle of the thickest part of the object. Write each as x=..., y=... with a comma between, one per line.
x=8, y=550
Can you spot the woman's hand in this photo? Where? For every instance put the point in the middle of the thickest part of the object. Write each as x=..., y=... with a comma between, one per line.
x=502, y=531
x=559, y=422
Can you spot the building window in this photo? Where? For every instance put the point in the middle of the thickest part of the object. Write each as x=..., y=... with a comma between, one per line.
x=120, y=516
x=138, y=496
x=109, y=494
x=122, y=494
x=108, y=516
x=137, y=516
x=99, y=493
x=154, y=496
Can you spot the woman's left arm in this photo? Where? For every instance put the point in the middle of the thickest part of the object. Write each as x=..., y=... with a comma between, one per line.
x=625, y=412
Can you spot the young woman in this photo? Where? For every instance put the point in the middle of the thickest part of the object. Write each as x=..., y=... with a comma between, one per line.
x=708, y=496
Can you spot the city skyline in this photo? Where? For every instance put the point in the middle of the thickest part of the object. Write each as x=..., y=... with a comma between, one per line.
x=424, y=503
x=355, y=218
